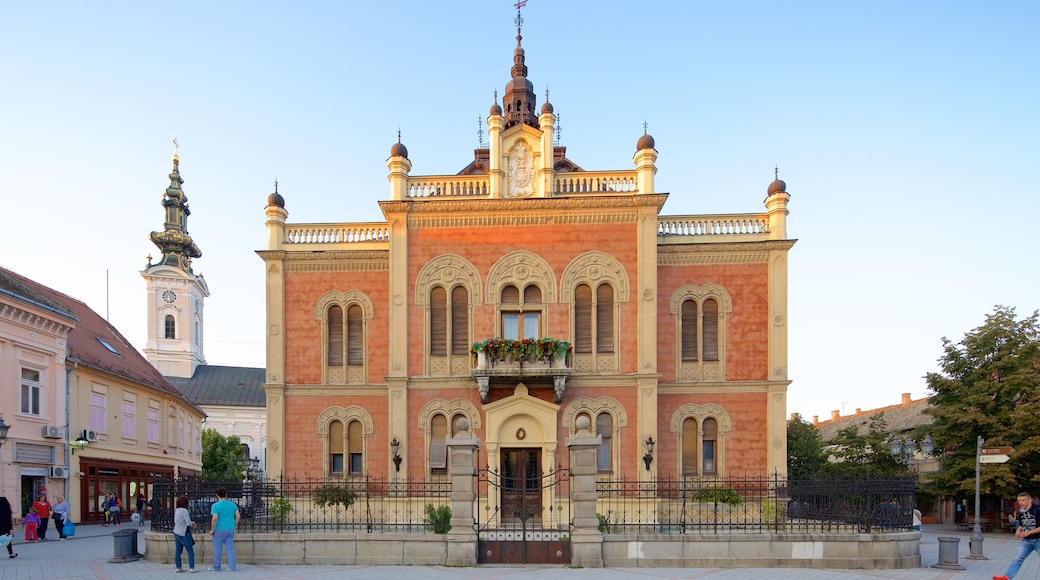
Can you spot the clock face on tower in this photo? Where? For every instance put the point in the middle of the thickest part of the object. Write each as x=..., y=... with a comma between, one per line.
x=169, y=296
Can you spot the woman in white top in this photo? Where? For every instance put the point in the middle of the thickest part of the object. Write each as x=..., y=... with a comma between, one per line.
x=182, y=526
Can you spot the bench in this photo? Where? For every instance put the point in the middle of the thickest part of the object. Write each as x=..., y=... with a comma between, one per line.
x=968, y=525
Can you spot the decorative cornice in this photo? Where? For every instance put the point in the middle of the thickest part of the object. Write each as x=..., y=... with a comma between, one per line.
x=337, y=261
x=33, y=320
x=720, y=253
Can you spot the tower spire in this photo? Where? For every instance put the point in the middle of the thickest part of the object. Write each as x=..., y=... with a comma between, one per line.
x=518, y=102
x=176, y=245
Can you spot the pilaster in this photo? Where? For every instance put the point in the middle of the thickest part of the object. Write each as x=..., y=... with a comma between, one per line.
x=275, y=395
x=397, y=413
x=545, y=174
x=496, y=174
x=646, y=169
x=399, y=167
x=397, y=220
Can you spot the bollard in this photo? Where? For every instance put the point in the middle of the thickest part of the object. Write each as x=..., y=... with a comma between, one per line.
x=948, y=547
x=124, y=546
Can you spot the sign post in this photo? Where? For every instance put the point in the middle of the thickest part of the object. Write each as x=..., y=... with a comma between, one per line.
x=975, y=542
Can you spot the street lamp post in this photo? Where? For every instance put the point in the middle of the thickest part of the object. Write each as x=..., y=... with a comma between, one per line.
x=903, y=449
x=975, y=542
x=4, y=428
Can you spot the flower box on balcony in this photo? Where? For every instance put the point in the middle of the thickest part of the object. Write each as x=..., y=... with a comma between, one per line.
x=528, y=352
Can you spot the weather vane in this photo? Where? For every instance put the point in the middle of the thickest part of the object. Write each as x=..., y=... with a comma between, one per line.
x=519, y=19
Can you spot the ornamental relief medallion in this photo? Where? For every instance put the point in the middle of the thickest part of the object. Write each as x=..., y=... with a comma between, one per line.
x=521, y=172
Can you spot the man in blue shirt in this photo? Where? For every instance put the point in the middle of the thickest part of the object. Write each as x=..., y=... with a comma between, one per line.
x=224, y=520
x=1028, y=518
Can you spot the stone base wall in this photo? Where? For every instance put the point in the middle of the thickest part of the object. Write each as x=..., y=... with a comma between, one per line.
x=348, y=549
x=850, y=551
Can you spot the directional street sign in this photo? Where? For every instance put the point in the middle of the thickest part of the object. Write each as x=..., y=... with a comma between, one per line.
x=998, y=450
x=994, y=458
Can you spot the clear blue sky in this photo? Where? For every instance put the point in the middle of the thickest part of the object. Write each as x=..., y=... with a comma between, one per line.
x=908, y=134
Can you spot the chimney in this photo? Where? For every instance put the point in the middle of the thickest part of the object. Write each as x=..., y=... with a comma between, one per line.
x=906, y=398
x=815, y=419
x=835, y=415
x=858, y=410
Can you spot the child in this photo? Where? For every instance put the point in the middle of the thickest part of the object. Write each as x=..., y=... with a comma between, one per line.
x=32, y=521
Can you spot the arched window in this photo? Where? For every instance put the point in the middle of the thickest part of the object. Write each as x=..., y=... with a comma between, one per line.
x=355, y=337
x=438, y=444
x=604, y=319
x=689, y=446
x=355, y=448
x=438, y=321
x=460, y=342
x=583, y=319
x=344, y=316
x=337, y=441
x=171, y=326
x=700, y=317
x=709, y=436
x=605, y=428
x=521, y=319
x=335, y=338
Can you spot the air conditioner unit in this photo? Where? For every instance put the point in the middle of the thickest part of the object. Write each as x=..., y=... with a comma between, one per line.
x=59, y=472
x=53, y=432
x=90, y=435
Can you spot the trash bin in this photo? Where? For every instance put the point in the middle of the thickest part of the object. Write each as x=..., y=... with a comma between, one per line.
x=124, y=543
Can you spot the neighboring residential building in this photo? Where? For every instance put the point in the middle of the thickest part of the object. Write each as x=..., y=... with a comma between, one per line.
x=34, y=333
x=124, y=425
x=678, y=324
x=232, y=397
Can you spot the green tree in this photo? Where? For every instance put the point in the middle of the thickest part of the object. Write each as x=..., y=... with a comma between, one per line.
x=222, y=457
x=805, y=455
x=988, y=387
x=864, y=454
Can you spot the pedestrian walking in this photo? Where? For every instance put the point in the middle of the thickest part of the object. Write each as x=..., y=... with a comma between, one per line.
x=182, y=526
x=60, y=514
x=224, y=520
x=1027, y=530
x=140, y=509
x=6, y=525
x=115, y=507
x=43, y=509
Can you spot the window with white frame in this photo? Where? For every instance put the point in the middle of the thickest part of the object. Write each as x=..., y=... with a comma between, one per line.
x=153, y=425
x=129, y=419
x=180, y=432
x=521, y=313
x=97, y=412
x=32, y=392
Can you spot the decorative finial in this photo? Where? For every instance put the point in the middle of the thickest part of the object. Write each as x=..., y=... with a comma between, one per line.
x=547, y=93
x=480, y=131
x=776, y=171
x=559, y=128
x=496, y=95
x=398, y=134
x=276, y=185
x=519, y=20
x=644, y=126
x=175, y=148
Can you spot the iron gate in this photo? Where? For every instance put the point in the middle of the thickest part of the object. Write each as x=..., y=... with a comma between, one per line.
x=523, y=515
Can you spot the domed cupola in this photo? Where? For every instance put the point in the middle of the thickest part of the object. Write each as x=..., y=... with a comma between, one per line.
x=646, y=141
x=518, y=102
x=398, y=149
x=778, y=185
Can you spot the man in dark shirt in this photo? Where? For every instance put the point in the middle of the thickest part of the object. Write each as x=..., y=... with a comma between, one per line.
x=1028, y=530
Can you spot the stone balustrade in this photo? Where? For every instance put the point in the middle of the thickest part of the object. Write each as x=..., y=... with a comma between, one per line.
x=595, y=182
x=449, y=186
x=752, y=226
x=336, y=233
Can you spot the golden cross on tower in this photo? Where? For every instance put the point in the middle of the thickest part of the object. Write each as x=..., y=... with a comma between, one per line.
x=175, y=147
x=519, y=19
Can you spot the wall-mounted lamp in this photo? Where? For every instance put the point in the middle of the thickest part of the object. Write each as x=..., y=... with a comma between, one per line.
x=649, y=457
x=79, y=444
x=395, y=447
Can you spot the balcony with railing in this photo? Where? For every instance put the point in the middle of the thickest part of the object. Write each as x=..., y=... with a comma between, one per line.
x=532, y=360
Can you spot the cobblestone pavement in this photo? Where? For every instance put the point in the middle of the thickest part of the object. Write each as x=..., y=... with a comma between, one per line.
x=87, y=556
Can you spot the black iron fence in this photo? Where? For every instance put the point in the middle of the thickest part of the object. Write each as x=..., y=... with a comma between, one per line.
x=768, y=504
x=304, y=505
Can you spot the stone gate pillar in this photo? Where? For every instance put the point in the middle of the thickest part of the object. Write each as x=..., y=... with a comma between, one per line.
x=462, y=538
x=586, y=539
